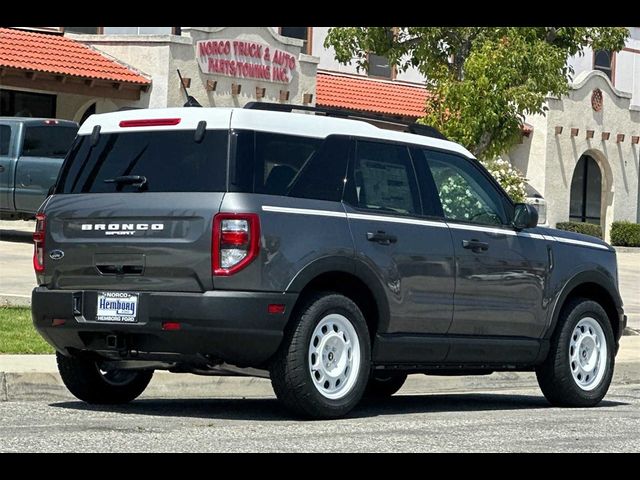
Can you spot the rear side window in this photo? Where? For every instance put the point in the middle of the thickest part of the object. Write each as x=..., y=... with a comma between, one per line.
x=171, y=161
x=5, y=137
x=384, y=179
x=48, y=141
x=270, y=163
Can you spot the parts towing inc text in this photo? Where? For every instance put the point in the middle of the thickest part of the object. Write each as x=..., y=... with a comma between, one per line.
x=236, y=58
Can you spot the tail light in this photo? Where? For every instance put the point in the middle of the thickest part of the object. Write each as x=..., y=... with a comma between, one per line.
x=38, y=243
x=236, y=242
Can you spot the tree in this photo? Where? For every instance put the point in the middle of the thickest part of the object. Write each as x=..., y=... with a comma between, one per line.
x=483, y=80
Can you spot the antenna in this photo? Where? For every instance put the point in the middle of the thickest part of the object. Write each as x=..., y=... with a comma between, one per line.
x=191, y=102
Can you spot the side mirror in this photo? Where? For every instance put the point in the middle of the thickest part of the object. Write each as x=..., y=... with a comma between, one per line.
x=524, y=216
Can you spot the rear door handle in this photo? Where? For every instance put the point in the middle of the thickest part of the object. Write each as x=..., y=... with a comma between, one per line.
x=1, y=168
x=381, y=237
x=475, y=245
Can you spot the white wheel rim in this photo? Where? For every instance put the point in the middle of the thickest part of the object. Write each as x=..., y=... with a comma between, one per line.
x=588, y=358
x=334, y=356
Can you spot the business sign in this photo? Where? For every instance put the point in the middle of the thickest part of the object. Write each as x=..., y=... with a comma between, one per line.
x=241, y=59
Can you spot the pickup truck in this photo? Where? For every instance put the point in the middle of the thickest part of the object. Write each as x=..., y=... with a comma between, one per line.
x=31, y=154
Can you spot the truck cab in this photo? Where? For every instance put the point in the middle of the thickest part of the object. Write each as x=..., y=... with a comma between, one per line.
x=31, y=153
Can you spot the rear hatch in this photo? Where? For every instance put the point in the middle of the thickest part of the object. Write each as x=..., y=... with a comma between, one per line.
x=133, y=208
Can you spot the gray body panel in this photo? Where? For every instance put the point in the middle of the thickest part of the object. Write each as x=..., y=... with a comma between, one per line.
x=500, y=291
x=416, y=272
x=176, y=258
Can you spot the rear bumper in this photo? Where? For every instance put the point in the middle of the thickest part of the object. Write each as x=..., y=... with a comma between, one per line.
x=231, y=326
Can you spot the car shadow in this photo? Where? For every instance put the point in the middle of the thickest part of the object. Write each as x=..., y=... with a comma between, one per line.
x=16, y=236
x=269, y=409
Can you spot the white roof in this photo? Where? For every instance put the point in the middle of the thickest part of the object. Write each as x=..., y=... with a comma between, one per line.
x=302, y=124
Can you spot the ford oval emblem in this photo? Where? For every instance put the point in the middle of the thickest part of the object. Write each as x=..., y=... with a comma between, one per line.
x=56, y=254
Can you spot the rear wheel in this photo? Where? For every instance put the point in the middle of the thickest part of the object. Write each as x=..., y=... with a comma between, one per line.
x=579, y=367
x=383, y=385
x=86, y=381
x=323, y=364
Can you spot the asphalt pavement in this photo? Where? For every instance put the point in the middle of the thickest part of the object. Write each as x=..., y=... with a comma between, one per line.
x=479, y=421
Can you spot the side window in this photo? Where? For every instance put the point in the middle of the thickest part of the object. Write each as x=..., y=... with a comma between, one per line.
x=278, y=159
x=384, y=178
x=5, y=137
x=466, y=195
x=322, y=177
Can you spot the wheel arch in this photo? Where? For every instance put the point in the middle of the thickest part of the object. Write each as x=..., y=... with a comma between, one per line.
x=594, y=286
x=351, y=278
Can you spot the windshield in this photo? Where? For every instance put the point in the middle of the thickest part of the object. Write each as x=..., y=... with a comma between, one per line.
x=170, y=161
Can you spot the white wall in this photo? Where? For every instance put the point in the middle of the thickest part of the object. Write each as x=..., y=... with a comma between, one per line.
x=549, y=160
x=138, y=30
x=328, y=61
x=627, y=68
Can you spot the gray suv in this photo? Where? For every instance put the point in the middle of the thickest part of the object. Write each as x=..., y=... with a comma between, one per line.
x=337, y=256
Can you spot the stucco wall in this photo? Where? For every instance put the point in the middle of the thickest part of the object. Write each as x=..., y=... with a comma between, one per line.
x=158, y=56
x=627, y=66
x=183, y=57
x=147, y=53
x=618, y=161
x=529, y=157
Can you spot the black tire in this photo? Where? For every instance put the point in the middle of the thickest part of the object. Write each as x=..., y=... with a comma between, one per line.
x=290, y=371
x=555, y=375
x=86, y=382
x=384, y=385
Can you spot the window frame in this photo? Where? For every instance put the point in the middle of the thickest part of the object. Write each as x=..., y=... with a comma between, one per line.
x=348, y=193
x=308, y=42
x=393, y=71
x=612, y=65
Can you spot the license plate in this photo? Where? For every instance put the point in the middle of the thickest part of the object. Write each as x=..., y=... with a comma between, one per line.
x=117, y=307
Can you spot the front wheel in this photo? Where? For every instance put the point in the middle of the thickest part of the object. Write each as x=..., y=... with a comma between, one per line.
x=323, y=364
x=88, y=382
x=578, y=369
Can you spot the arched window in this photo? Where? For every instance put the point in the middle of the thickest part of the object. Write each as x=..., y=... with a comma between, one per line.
x=88, y=112
x=603, y=61
x=586, y=191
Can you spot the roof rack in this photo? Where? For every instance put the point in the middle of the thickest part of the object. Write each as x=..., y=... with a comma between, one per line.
x=415, y=128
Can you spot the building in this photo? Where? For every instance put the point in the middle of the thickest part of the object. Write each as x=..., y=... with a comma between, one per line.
x=582, y=156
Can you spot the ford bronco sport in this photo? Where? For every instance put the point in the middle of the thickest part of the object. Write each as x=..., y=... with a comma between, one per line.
x=334, y=254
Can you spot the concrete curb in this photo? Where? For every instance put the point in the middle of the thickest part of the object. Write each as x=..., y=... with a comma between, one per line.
x=627, y=249
x=9, y=300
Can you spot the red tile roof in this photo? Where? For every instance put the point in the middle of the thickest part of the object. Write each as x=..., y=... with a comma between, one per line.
x=62, y=56
x=369, y=95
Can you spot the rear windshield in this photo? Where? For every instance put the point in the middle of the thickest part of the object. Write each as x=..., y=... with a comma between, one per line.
x=171, y=161
x=48, y=141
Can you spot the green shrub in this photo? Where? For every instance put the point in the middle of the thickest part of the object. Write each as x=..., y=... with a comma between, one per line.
x=578, y=227
x=625, y=234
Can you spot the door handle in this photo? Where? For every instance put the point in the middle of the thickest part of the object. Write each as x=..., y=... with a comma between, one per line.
x=1, y=168
x=475, y=245
x=381, y=237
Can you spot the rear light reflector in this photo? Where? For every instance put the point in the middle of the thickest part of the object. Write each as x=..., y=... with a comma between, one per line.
x=170, y=325
x=38, y=243
x=235, y=242
x=276, y=308
x=150, y=122
x=57, y=322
